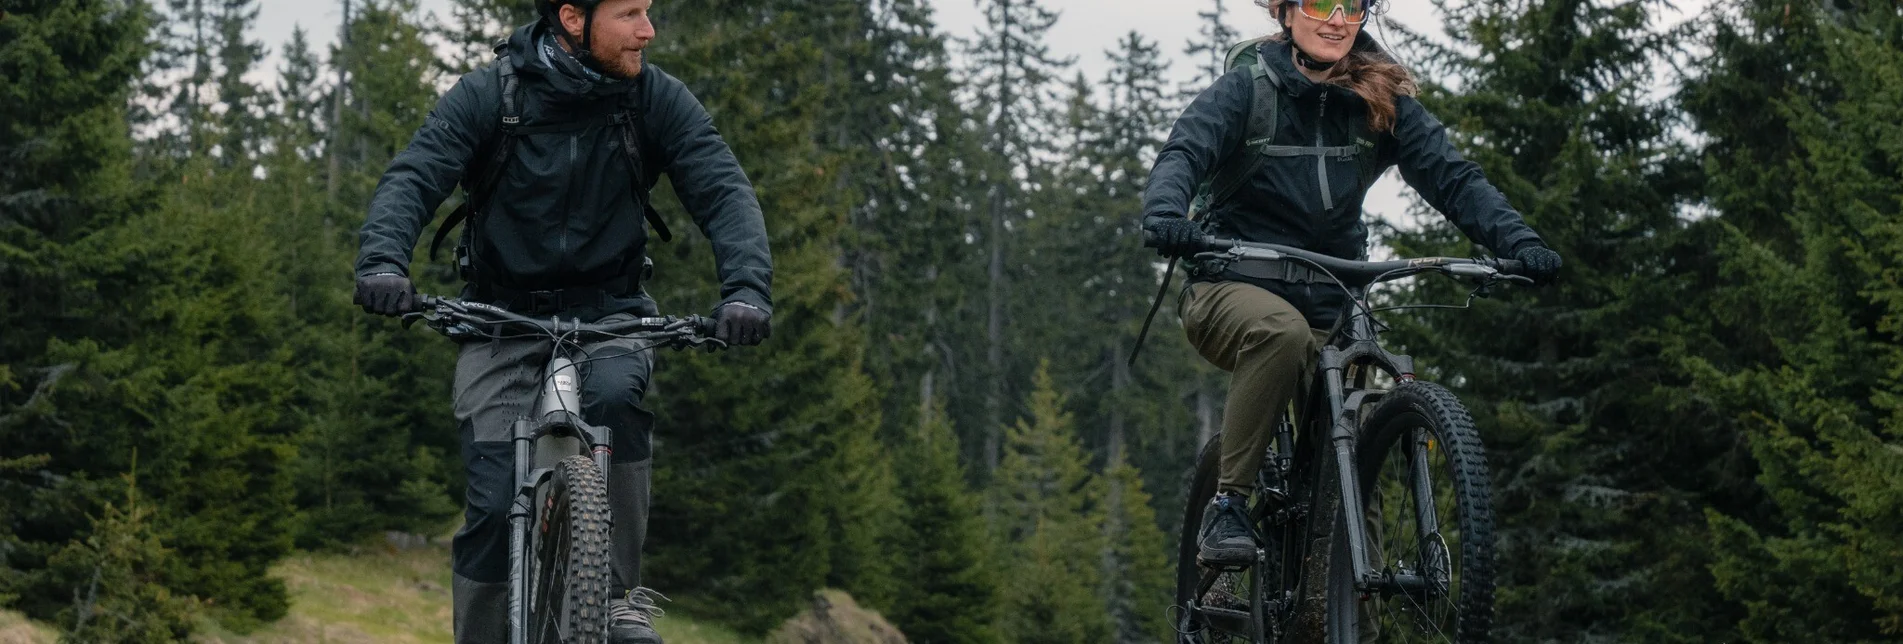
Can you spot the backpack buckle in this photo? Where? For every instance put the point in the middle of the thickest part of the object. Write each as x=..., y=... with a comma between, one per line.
x=465, y=265
x=540, y=301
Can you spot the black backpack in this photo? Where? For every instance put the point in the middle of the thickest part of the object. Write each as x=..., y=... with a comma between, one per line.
x=476, y=195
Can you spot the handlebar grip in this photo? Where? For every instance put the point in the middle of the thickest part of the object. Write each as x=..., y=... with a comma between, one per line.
x=1203, y=242
x=705, y=326
x=1511, y=266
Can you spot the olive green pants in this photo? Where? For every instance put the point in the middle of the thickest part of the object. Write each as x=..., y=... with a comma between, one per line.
x=1268, y=350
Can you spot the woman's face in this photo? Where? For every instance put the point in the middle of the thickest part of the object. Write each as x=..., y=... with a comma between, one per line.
x=1323, y=40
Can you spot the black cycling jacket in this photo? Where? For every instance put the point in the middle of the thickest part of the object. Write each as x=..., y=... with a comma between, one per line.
x=1314, y=203
x=563, y=214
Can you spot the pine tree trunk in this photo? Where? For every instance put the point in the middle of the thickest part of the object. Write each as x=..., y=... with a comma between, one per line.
x=1119, y=380
x=994, y=333
x=925, y=395
x=994, y=327
x=333, y=151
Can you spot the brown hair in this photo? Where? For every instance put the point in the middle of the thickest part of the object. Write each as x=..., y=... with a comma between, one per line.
x=1376, y=77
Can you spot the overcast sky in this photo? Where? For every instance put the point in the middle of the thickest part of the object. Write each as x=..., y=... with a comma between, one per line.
x=1083, y=31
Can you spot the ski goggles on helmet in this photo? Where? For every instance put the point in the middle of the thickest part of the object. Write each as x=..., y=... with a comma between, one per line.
x=1353, y=12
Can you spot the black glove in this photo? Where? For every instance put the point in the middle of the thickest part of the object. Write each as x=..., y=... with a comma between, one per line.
x=385, y=294
x=1542, y=264
x=742, y=324
x=1174, y=236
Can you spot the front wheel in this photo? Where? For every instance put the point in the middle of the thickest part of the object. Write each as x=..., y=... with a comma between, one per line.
x=1429, y=513
x=568, y=543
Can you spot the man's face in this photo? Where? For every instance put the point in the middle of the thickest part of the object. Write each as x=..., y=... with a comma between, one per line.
x=621, y=30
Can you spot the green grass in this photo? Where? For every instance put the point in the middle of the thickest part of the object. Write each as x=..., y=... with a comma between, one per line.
x=377, y=596
x=396, y=597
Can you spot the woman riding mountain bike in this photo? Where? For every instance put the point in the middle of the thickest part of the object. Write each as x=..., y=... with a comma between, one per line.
x=1295, y=173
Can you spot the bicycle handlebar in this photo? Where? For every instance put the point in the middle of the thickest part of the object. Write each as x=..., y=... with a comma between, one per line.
x=1354, y=272
x=454, y=317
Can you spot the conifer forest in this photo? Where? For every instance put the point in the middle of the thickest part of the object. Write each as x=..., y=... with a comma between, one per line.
x=1695, y=434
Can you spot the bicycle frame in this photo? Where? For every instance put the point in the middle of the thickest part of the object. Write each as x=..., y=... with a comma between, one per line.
x=1330, y=408
x=1355, y=343
x=556, y=430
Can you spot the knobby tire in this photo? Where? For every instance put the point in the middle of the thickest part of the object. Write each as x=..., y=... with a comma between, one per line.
x=569, y=575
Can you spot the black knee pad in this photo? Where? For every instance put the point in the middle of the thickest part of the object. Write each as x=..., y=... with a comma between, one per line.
x=480, y=551
x=612, y=390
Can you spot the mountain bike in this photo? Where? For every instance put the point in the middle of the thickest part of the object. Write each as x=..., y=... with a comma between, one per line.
x=559, y=522
x=1375, y=519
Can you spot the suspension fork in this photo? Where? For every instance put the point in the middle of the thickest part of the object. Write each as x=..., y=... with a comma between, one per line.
x=520, y=511
x=1344, y=408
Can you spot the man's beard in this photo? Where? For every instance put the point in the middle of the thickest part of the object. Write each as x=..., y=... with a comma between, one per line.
x=617, y=69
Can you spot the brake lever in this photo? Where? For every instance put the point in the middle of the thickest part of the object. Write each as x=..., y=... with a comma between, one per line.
x=410, y=319
x=693, y=341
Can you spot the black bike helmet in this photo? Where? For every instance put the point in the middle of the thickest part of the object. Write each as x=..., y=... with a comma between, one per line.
x=551, y=12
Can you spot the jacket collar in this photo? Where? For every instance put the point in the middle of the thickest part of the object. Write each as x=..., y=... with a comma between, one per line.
x=559, y=71
x=1279, y=56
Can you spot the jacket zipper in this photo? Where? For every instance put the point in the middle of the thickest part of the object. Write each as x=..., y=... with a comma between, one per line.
x=568, y=205
x=1321, y=160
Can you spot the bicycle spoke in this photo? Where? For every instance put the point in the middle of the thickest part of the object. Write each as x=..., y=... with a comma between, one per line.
x=1414, y=505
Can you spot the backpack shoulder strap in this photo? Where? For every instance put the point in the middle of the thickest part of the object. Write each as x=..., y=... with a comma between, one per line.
x=631, y=128
x=1265, y=106
x=1367, y=151
x=1244, y=53
x=474, y=194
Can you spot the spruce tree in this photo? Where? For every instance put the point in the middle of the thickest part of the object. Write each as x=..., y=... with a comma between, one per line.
x=1805, y=294
x=911, y=212
x=1602, y=455
x=298, y=123
x=758, y=479
x=943, y=549
x=376, y=439
x=1011, y=76
x=122, y=595
x=1136, y=562
x=476, y=26
x=1044, y=509
x=190, y=381
x=241, y=122
x=1215, y=37
x=187, y=57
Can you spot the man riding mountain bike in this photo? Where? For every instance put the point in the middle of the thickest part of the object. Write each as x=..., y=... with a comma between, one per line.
x=1285, y=150
x=556, y=146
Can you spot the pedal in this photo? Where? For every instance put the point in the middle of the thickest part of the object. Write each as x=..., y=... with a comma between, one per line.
x=1223, y=567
